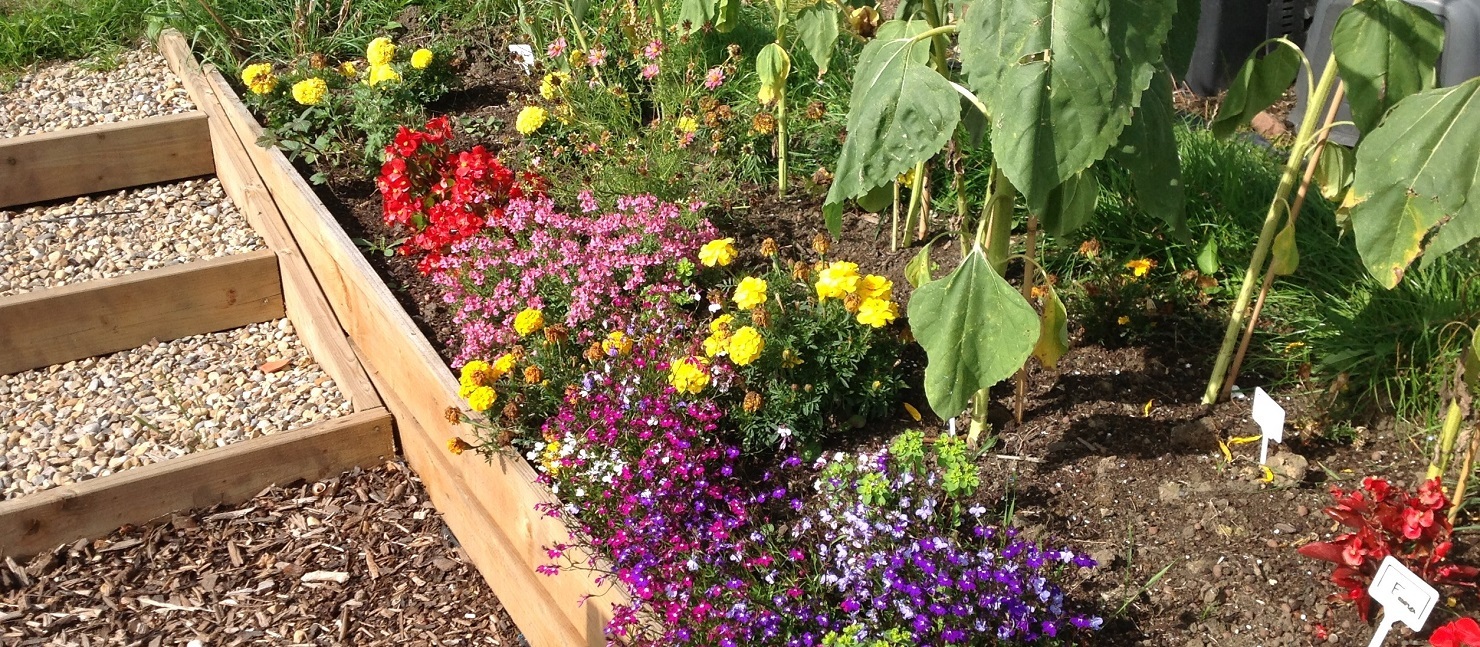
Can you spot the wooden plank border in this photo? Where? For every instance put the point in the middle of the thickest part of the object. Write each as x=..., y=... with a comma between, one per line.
x=490, y=507
x=104, y=157
x=38, y=522
x=305, y=302
x=61, y=324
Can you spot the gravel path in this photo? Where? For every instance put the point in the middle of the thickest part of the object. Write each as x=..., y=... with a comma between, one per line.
x=82, y=93
x=387, y=571
x=96, y=416
x=108, y=235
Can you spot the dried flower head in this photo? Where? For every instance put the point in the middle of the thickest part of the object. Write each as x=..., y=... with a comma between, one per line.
x=852, y=301
x=506, y=435
x=761, y=317
x=556, y=334
x=593, y=353
x=769, y=248
x=511, y=411
x=317, y=61
x=753, y=402
x=763, y=123
x=822, y=176
x=820, y=244
x=1089, y=248
x=800, y=271
x=816, y=110
x=453, y=415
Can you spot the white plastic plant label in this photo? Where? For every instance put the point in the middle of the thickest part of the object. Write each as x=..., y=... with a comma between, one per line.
x=524, y=56
x=1404, y=597
x=1270, y=417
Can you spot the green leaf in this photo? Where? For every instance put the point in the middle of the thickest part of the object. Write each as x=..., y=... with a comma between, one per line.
x=772, y=65
x=1053, y=330
x=1260, y=82
x=832, y=215
x=877, y=199
x=1060, y=78
x=902, y=112
x=579, y=8
x=1334, y=170
x=728, y=16
x=1385, y=50
x=694, y=14
x=818, y=29
x=1417, y=184
x=1471, y=364
x=976, y=331
x=896, y=29
x=1207, y=259
x=917, y=271
x=1071, y=204
x=1148, y=149
x=1284, y=255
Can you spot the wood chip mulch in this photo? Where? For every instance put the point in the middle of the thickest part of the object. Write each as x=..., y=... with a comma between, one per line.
x=362, y=559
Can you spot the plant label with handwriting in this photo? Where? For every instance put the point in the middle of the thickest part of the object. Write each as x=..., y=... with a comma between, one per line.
x=1404, y=597
x=1270, y=417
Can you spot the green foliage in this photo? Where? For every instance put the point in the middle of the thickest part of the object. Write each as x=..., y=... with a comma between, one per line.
x=40, y=30
x=959, y=473
x=1071, y=204
x=1412, y=198
x=894, y=637
x=873, y=489
x=1260, y=82
x=1386, y=50
x=1334, y=171
x=817, y=28
x=908, y=449
x=1148, y=149
x=976, y=330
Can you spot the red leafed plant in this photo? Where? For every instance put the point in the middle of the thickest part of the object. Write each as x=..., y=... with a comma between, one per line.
x=1387, y=521
x=441, y=197
x=1460, y=633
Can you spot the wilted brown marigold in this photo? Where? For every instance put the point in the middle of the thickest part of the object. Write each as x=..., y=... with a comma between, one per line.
x=716, y=297
x=724, y=112
x=1089, y=248
x=593, y=353
x=556, y=334
x=820, y=244
x=708, y=104
x=533, y=375
x=816, y=110
x=484, y=377
x=763, y=123
x=511, y=411
x=752, y=402
x=761, y=317
x=317, y=61
x=852, y=302
x=453, y=415
x=769, y=247
x=800, y=271
x=505, y=437
x=822, y=176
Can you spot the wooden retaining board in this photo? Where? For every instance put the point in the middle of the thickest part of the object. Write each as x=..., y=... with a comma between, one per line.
x=79, y=161
x=489, y=507
x=39, y=522
x=61, y=324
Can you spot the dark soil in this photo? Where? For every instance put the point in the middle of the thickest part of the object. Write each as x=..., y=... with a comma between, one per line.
x=362, y=559
x=1115, y=455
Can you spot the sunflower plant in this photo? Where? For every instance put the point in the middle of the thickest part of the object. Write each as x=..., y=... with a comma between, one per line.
x=804, y=349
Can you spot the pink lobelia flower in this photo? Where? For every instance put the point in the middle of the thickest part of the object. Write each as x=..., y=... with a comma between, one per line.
x=714, y=78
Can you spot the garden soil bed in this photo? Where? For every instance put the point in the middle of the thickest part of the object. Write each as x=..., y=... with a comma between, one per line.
x=362, y=559
x=1115, y=456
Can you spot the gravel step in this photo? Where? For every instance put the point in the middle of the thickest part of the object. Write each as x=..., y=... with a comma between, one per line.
x=97, y=416
x=97, y=237
x=136, y=84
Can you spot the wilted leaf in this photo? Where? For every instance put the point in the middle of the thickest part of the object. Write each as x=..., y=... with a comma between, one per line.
x=1417, y=181
x=976, y=331
x=1260, y=82
x=1148, y=149
x=1385, y=50
x=1285, y=255
x=694, y=14
x=1053, y=330
x=1071, y=204
x=1334, y=170
x=818, y=29
x=1060, y=78
x=917, y=271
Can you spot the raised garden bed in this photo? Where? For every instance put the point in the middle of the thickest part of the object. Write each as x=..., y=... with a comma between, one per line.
x=201, y=323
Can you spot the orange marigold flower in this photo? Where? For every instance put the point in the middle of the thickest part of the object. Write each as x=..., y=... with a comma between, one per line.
x=458, y=446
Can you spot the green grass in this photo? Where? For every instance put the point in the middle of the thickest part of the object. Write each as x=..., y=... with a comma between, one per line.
x=32, y=31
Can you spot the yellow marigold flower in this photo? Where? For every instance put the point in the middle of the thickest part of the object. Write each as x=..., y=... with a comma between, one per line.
x=750, y=293
x=715, y=343
x=789, y=359
x=577, y=58
x=310, y=91
x=457, y=446
x=381, y=51
x=465, y=388
x=550, y=459
x=1140, y=266
x=746, y=345
x=503, y=365
x=1123, y=320
x=553, y=85
x=482, y=398
x=719, y=252
x=530, y=119
x=687, y=124
x=348, y=69
x=421, y=58
x=877, y=312
x=618, y=342
x=873, y=286
x=688, y=375
x=721, y=323
x=528, y=320
x=471, y=370
x=837, y=280
x=259, y=78
x=381, y=74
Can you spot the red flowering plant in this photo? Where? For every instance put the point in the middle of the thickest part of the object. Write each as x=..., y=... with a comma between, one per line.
x=439, y=196
x=1460, y=633
x=1388, y=521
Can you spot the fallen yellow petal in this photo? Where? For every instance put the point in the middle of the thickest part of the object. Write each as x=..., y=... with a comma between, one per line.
x=914, y=413
x=1147, y=411
x=1268, y=474
x=1227, y=455
x=1244, y=440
